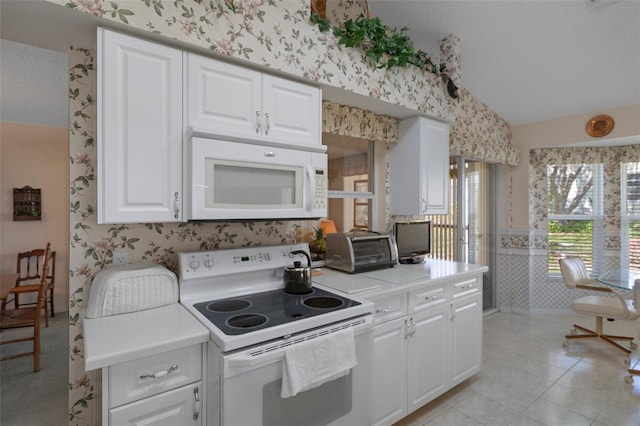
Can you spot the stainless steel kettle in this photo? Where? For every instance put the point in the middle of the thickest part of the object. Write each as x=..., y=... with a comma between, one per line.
x=297, y=279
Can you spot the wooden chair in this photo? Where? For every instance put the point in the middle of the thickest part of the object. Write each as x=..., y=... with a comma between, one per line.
x=29, y=268
x=28, y=316
x=575, y=276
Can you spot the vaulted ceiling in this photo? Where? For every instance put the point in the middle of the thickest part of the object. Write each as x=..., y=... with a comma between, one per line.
x=532, y=61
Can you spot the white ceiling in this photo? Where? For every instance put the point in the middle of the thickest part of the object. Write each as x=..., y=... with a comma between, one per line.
x=532, y=61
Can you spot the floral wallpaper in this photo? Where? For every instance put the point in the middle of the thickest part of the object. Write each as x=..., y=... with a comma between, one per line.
x=355, y=122
x=273, y=33
x=278, y=34
x=480, y=133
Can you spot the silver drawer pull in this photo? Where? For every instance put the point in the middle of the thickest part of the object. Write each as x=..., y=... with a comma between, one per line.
x=159, y=374
x=385, y=310
x=196, y=404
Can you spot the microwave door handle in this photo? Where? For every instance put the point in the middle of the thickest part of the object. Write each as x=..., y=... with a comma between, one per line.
x=309, y=188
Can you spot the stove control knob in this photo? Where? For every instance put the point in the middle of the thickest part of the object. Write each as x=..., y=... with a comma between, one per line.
x=194, y=264
x=208, y=262
x=267, y=256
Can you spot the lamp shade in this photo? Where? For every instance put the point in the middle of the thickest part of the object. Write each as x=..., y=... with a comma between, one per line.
x=328, y=227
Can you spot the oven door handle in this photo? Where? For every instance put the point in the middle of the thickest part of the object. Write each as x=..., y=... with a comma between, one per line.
x=273, y=353
x=248, y=360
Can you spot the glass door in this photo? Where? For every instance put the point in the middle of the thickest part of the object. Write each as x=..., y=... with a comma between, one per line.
x=468, y=233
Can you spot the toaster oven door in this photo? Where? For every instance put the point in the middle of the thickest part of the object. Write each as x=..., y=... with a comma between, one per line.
x=372, y=254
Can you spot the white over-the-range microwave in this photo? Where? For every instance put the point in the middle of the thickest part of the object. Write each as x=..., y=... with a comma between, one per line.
x=250, y=180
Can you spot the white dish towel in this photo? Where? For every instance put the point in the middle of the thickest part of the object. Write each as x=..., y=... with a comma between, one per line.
x=309, y=364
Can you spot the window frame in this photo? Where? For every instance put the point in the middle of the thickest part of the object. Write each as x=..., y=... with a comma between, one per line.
x=370, y=196
x=625, y=218
x=596, y=218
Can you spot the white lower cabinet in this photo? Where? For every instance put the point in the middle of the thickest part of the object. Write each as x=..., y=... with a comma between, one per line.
x=427, y=345
x=466, y=337
x=390, y=378
x=176, y=407
x=163, y=389
x=425, y=350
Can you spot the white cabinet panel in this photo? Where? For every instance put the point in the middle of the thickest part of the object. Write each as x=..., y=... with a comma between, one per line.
x=154, y=374
x=293, y=111
x=222, y=99
x=466, y=337
x=427, y=352
x=390, y=377
x=139, y=130
x=419, y=168
x=226, y=100
x=180, y=406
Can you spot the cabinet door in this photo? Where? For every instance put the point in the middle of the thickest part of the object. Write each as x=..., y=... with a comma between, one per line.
x=223, y=99
x=292, y=111
x=427, y=353
x=180, y=406
x=139, y=130
x=419, y=168
x=390, y=373
x=436, y=162
x=466, y=335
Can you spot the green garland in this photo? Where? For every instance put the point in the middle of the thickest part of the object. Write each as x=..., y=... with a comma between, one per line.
x=387, y=48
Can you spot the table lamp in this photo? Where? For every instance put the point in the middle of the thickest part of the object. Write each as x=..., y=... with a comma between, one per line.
x=328, y=227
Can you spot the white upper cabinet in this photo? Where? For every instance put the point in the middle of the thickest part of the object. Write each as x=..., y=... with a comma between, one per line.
x=139, y=130
x=419, y=168
x=226, y=100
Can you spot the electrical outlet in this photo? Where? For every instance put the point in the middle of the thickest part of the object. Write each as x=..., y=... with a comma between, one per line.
x=120, y=258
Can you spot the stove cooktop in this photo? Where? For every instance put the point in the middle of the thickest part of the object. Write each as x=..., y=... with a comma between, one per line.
x=243, y=314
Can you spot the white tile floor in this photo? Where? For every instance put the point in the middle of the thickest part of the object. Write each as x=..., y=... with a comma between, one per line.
x=529, y=378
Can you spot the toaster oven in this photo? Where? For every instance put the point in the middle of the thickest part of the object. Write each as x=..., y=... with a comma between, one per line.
x=355, y=252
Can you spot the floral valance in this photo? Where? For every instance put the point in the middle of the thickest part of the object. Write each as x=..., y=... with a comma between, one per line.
x=480, y=133
x=358, y=123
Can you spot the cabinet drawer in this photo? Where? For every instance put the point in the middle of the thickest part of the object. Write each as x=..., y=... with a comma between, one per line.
x=423, y=299
x=466, y=287
x=181, y=406
x=148, y=376
x=390, y=308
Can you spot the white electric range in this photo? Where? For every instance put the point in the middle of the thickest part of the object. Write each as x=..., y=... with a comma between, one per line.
x=238, y=294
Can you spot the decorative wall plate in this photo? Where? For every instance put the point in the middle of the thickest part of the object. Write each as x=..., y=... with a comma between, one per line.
x=599, y=126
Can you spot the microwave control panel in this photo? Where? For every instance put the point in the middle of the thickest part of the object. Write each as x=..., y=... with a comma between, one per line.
x=320, y=199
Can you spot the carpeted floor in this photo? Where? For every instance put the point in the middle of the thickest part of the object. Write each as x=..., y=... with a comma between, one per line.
x=28, y=398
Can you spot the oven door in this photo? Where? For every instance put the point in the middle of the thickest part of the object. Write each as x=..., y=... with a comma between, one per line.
x=249, y=388
x=234, y=180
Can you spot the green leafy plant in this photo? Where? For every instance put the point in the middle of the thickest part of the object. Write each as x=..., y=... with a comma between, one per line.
x=387, y=47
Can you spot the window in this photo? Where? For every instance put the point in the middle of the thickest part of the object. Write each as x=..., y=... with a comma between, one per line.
x=630, y=210
x=351, y=197
x=575, y=207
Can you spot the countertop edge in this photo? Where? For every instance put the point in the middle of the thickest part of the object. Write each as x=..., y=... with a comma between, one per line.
x=414, y=285
x=103, y=344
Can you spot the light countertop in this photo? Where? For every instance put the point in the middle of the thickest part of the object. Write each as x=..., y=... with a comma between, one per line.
x=121, y=338
x=398, y=279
